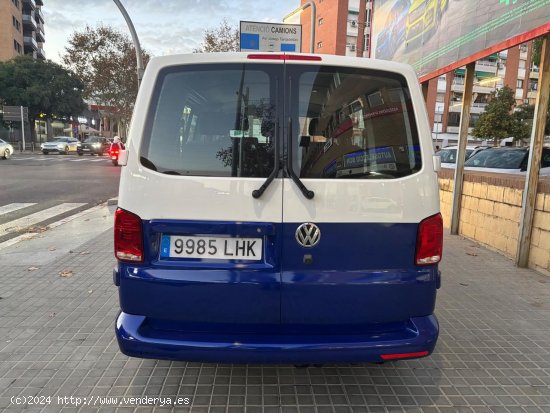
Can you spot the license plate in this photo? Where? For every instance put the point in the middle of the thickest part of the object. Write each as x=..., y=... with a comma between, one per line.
x=86, y=149
x=220, y=248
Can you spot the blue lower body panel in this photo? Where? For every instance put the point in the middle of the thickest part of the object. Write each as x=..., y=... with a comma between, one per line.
x=138, y=338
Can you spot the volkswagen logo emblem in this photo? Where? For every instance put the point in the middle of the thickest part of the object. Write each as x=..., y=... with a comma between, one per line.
x=308, y=235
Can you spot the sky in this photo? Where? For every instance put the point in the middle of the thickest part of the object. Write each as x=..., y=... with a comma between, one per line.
x=163, y=26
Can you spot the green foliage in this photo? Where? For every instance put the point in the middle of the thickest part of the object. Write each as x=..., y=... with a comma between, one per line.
x=497, y=122
x=523, y=122
x=105, y=60
x=42, y=86
x=524, y=117
x=224, y=38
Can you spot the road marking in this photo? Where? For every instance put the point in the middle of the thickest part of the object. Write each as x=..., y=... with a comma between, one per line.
x=25, y=237
x=6, y=209
x=61, y=159
x=27, y=221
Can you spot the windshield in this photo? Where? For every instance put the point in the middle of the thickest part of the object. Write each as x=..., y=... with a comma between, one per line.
x=449, y=155
x=352, y=123
x=60, y=140
x=503, y=159
x=213, y=120
x=92, y=140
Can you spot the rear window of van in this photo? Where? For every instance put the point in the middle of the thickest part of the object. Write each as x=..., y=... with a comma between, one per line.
x=212, y=120
x=352, y=123
x=223, y=120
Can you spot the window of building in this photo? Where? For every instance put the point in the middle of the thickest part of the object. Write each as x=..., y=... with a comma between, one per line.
x=522, y=64
x=17, y=47
x=319, y=45
x=523, y=48
x=453, y=119
x=519, y=84
x=533, y=85
x=321, y=21
x=367, y=17
x=16, y=23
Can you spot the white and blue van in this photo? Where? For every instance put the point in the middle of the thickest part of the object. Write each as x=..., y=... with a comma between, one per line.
x=278, y=208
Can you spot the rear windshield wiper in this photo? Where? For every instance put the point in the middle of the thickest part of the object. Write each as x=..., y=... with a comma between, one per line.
x=147, y=163
x=276, y=167
x=306, y=192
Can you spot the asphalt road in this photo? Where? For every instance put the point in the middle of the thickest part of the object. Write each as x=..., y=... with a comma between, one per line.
x=59, y=185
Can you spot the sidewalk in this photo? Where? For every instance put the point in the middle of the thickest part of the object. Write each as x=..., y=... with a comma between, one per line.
x=493, y=355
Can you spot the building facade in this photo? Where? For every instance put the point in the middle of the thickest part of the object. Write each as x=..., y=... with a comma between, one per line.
x=21, y=29
x=512, y=68
x=342, y=27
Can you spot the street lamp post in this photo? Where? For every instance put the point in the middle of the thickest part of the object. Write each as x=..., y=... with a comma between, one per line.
x=139, y=56
x=313, y=17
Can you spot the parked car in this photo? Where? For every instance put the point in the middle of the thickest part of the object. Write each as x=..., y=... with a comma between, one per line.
x=504, y=160
x=5, y=149
x=94, y=145
x=448, y=154
x=60, y=144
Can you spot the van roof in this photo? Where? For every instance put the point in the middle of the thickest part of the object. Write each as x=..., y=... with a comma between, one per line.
x=264, y=57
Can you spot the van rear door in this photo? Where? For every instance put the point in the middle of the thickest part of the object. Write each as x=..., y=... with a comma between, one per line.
x=354, y=140
x=211, y=249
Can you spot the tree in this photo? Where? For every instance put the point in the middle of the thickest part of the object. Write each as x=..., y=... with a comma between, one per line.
x=43, y=86
x=224, y=38
x=523, y=122
x=105, y=60
x=524, y=116
x=497, y=122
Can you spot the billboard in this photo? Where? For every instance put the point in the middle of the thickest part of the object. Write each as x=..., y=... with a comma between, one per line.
x=436, y=36
x=270, y=37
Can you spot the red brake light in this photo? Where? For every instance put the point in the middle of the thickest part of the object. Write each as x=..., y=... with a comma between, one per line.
x=277, y=56
x=429, y=241
x=404, y=355
x=128, y=236
x=303, y=57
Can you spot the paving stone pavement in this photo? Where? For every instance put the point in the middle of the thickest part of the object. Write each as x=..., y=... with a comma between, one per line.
x=57, y=341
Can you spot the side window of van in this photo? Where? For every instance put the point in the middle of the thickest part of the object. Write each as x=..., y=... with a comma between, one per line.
x=353, y=123
x=212, y=120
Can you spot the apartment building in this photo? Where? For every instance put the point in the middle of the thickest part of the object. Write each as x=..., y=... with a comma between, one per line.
x=342, y=27
x=511, y=67
x=21, y=29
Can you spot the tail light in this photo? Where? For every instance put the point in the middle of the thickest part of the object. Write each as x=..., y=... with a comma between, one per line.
x=128, y=236
x=429, y=241
x=401, y=356
x=277, y=56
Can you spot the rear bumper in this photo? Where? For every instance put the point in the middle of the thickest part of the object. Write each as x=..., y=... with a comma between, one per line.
x=137, y=340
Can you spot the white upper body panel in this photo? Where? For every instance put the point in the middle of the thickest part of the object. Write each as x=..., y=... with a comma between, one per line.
x=154, y=195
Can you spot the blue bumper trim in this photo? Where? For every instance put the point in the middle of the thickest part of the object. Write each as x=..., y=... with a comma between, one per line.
x=136, y=339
